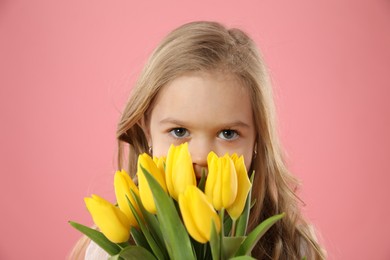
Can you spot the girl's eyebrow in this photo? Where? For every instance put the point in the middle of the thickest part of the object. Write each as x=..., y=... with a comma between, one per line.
x=170, y=120
x=237, y=123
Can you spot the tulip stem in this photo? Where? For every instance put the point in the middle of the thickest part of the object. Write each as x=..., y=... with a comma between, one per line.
x=222, y=217
x=222, y=232
x=233, y=232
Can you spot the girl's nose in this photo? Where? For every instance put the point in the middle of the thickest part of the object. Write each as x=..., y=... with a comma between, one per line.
x=199, y=152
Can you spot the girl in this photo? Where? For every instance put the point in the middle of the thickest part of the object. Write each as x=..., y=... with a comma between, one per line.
x=207, y=85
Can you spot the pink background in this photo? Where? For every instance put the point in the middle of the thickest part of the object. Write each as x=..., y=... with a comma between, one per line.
x=66, y=68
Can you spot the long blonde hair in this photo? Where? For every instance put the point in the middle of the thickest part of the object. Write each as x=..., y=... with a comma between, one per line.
x=207, y=46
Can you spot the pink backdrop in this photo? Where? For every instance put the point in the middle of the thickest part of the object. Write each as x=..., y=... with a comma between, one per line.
x=66, y=68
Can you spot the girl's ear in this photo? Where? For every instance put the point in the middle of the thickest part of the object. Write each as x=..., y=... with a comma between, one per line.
x=143, y=123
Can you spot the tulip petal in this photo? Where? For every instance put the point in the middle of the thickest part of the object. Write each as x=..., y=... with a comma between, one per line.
x=145, y=193
x=229, y=182
x=160, y=162
x=188, y=219
x=200, y=206
x=197, y=213
x=221, y=183
x=217, y=192
x=179, y=171
x=123, y=184
x=151, y=166
x=169, y=168
x=244, y=186
x=110, y=220
x=211, y=177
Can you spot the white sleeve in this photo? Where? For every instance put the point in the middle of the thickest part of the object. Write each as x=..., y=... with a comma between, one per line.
x=94, y=252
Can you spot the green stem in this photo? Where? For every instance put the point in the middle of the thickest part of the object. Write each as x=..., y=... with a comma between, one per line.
x=233, y=232
x=222, y=217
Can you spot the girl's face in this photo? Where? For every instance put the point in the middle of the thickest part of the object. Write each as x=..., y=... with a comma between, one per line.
x=209, y=110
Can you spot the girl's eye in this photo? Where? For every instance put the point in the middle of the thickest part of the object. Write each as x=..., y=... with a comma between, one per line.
x=179, y=132
x=228, y=134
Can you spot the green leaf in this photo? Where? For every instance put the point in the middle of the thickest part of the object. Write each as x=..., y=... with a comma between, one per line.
x=153, y=226
x=139, y=238
x=230, y=246
x=114, y=257
x=242, y=222
x=152, y=243
x=215, y=242
x=176, y=237
x=251, y=240
x=98, y=237
x=136, y=252
x=227, y=225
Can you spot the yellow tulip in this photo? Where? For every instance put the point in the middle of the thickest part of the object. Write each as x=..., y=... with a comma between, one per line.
x=221, y=182
x=110, y=220
x=160, y=162
x=123, y=184
x=244, y=185
x=198, y=213
x=179, y=171
x=145, y=192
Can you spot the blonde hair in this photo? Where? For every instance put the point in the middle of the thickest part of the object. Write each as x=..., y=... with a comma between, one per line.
x=208, y=46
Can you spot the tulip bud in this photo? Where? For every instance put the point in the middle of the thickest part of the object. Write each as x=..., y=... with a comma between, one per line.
x=243, y=188
x=146, y=194
x=123, y=184
x=198, y=214
x=160, y=162
x=179, y=171
x=110, y=220
x=221, y=183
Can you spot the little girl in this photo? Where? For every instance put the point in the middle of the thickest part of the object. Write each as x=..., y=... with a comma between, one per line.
x=208, y=85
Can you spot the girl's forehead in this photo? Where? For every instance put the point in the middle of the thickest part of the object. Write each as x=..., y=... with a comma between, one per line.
x=205, y=96
x=205, y=85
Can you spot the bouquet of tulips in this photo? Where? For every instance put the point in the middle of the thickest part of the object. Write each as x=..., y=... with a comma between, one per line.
x=171, y=216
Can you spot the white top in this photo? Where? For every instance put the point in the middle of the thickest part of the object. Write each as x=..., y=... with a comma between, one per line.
x=94, y=252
